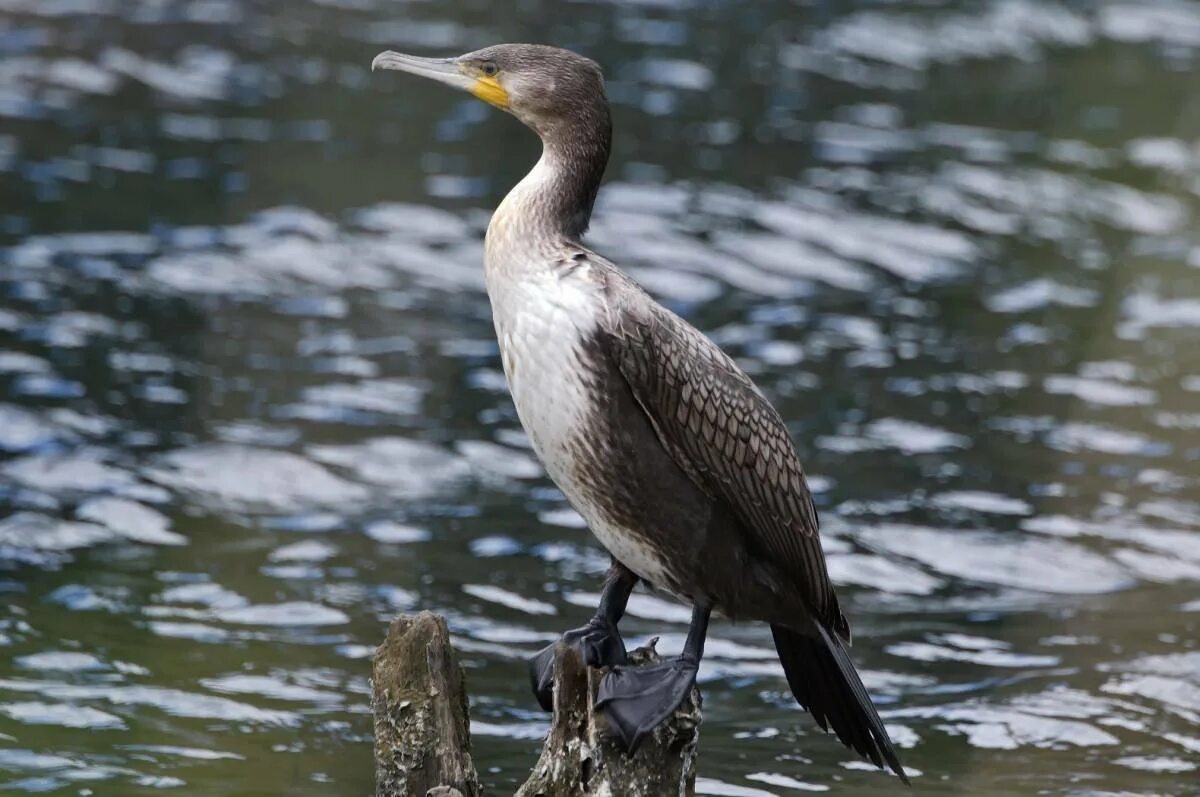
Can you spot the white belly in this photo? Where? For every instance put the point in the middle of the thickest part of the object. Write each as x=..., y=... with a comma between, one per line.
x=543, y=324
x=542, y=329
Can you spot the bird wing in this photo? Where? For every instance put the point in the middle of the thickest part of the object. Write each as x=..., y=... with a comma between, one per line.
x=725, y=435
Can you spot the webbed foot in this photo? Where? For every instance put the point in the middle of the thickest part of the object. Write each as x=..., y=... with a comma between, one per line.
x=599, y=644
x=637, y=700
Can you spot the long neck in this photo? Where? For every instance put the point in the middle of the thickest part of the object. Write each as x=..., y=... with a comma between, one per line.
x=555, y=199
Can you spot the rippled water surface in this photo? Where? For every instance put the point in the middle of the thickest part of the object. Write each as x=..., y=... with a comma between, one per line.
x=251, y=404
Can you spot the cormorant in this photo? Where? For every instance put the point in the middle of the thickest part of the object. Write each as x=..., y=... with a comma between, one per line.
x=676, y=460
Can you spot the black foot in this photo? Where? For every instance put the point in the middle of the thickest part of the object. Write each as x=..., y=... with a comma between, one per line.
x=598, y=642
x=637, y=699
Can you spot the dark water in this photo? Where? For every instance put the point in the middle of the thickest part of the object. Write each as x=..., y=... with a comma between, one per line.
x=252, y=406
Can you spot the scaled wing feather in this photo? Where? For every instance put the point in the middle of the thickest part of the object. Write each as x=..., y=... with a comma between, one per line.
x=725, y=435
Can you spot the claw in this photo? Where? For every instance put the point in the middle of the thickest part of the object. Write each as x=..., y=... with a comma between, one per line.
x=599, y=644
x=637, y=700
x=541, y=676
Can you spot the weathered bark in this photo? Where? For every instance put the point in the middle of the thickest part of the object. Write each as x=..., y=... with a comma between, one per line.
x=423, y=739
x=422, y=725
x=580, y=757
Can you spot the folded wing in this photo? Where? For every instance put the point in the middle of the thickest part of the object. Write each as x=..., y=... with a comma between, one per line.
x=726, y=436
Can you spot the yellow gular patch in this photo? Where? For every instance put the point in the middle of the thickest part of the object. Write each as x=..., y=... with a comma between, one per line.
x=490, y=91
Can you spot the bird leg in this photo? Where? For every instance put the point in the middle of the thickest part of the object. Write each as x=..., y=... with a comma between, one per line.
x=598, y=642
x=637, y=699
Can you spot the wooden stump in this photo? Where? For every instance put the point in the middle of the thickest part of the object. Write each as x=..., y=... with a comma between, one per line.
x=580, y=757
x=423, y=739
x=422, y=725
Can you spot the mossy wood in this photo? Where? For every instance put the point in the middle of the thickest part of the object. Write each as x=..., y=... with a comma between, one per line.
x=423, y=740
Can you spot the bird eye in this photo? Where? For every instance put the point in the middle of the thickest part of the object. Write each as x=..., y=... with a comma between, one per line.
x=489, y=69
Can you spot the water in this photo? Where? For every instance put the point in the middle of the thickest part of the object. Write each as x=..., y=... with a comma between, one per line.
x=251, y=405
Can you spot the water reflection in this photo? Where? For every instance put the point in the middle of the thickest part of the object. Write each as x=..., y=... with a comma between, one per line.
x=250, y=403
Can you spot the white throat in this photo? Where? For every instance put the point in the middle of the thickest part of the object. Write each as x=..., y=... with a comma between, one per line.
x=522, y=231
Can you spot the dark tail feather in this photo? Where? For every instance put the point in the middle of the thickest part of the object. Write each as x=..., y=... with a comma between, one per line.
x=824, y=681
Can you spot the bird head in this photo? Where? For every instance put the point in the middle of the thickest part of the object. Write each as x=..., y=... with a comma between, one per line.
x=540, y=85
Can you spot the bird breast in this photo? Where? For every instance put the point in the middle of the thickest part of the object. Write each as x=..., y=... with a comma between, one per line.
x=547, y=323
x=543, y=323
